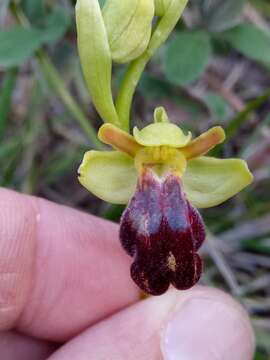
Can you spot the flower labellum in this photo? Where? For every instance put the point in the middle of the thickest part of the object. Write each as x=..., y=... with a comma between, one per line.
x=163, y=231
x=163, y=176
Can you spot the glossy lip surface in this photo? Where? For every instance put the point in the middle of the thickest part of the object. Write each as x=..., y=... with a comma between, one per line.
x=163, y=232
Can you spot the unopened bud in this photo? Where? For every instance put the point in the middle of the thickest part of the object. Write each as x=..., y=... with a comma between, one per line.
x=129, y=26
x=161, y=7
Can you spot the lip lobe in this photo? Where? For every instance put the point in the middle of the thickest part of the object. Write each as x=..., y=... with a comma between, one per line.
x=163, y=232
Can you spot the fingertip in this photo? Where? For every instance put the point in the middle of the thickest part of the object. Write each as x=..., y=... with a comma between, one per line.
x=207, y=323
x=198, y=324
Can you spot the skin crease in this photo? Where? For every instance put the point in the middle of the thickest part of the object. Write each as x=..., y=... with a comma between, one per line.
x=62, y=272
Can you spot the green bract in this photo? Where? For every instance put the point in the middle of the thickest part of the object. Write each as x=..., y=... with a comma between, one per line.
x=112, y=176
x=95, y=57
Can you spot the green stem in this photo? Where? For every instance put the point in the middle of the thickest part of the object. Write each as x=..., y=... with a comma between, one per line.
x=57, y=84
x=133, y=74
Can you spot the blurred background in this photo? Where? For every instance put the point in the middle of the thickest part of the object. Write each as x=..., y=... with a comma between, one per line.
x=215, y=69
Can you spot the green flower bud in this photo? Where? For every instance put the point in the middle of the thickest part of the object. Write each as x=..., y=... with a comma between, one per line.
x=129, y=25
x=161, y=6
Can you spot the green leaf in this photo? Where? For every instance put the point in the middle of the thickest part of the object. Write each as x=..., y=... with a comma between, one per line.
x=52, y=24
x=111, y=176
x=250, y=41
x=209, y=181
x=18, y=44
x=56, y=25
x=34, y=11
x=220, y=15
x=186, y=57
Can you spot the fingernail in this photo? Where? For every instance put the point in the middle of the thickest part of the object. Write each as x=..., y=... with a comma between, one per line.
x=204, y=329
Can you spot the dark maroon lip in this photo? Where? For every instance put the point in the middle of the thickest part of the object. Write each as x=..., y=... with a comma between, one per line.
x=163, y=232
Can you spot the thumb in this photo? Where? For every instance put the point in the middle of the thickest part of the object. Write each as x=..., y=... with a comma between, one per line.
x=199, y=324
x=208, y=324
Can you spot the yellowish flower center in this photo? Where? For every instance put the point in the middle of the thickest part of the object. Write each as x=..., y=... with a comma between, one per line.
x=161, y=159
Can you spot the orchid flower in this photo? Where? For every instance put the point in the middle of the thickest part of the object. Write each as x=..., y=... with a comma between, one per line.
x=162, y=175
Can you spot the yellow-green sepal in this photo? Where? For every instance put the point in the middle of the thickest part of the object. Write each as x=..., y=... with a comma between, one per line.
x=111, y=175
x=96, y=57
x=129, y=26
x=209, y=181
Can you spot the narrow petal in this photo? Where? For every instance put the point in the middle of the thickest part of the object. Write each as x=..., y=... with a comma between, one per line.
x=204, y=143
x=210, y=181
x=111, y=176
x=118, y=139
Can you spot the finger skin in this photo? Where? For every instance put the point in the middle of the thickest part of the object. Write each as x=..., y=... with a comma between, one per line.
x=14, y=346
x=60, y=270
x=140, y=331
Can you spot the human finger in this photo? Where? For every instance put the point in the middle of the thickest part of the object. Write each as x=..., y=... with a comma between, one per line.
x=199, y=324
x=14, y=346
x=60, y=270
